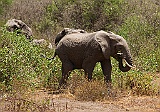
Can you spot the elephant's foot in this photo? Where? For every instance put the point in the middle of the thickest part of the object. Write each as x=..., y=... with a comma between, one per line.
x=62, y=85
x=110, y=91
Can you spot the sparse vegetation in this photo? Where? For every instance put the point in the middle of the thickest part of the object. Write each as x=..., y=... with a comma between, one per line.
x=3, y=4
x=22, y=68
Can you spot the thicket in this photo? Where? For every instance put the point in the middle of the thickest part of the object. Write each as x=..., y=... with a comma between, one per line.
x=137, y=21
x=23, y=63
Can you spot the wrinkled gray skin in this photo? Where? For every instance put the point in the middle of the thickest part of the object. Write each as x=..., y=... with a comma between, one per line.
x=67, y=31
x=41, y=42
x=14, y=24
x=64, y=32
x=84, y=50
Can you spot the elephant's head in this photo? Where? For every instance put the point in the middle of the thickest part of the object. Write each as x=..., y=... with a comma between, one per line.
x=117, y=47
x=14, y=24
x=67, y=31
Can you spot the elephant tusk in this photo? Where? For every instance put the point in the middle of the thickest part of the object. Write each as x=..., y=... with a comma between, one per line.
x=119, y=53
x=127, y=63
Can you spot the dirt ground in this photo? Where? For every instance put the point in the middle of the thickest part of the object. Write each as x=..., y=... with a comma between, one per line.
x=66, y=103
x=42, y=101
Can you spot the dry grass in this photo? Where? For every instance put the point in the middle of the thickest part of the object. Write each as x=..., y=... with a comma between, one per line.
x=29, y=11
x=95, y=90
x=41, y=101
x=79, y=89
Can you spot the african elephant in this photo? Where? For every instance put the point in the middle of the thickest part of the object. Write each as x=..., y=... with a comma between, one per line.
x=67, y=31
x=15, y=24
x=84, y=50
x=61, y=34
x=41, y=42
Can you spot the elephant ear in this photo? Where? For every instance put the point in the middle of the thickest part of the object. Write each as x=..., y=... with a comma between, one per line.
x=60, y=35
x=104, y=41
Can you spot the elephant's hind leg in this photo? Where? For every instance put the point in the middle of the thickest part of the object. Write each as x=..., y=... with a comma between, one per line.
x=67, y=67
x=88, y=69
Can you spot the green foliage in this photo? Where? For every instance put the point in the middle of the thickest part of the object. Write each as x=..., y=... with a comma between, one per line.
x=51, y=80
x=87, y=15
x=138, y=82
x=144, y=42
x=22, y=62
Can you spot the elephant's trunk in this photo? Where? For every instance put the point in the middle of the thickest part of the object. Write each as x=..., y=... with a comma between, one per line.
x=128, y=64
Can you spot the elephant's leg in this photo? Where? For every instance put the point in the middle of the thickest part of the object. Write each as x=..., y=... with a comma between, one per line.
x=107, y=68
x=88, y=69
x=88, y=73
x=67, y=67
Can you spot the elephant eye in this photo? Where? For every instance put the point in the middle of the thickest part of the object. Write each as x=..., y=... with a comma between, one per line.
x=119, y=48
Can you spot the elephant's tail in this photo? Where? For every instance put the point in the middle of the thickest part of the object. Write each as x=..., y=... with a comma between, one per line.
x=44, y=56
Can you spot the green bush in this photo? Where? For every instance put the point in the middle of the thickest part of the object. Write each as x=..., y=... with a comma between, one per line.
x=144, y=41
x=89, y=15
x=139, y=83
x=22, y=62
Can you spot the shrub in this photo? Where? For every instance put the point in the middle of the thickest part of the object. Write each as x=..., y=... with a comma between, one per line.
x=135, y=81
x=88, y=15
x=143, y=37
x=22, y=62
x=89, y=91
x=141, y=84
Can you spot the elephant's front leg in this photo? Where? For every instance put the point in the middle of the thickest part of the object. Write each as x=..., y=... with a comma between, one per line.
x=107, y=68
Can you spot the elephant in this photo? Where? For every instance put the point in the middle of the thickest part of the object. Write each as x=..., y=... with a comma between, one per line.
x=14, y=24
x=42, y=42
x=61, y=34
x=84, y=50
x=66, y=31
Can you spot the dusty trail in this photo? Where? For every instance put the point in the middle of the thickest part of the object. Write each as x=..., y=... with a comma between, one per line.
x=67, y=103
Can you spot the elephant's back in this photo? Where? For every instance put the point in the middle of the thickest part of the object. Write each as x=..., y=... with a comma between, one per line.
x=75, y=41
